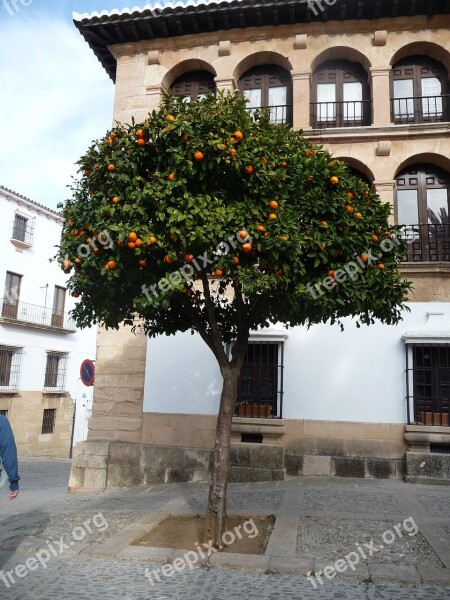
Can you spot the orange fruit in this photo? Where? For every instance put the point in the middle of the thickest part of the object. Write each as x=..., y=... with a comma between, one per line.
x=364, y=258
x=235, y=260
x=87, y=172
x=247, y=248
x=232, y=152
x=198, y=156
x=248, y=170
x=188, y=258
x=279, y=272
x=79, y=261
x=152, y=239
x=273, y=204
x=350, y=195
x=324, y=223
x=170, y=118
x=374, y=237
x=238, y=136
x=310, y=179
x=170, y=176
x=380, y=266
x=284, y=238
x=172, y=237
x=142, y=262
x=111, y=265
x=98, y=250
x=260, y=228
x=111, y=168
x=358, y=215
x=334, y=180
x=168, y=259
x=132, y=237
x=120, y=244
x=131, y=245
x=218, y=272
x=185, y=138
x=140, y=142
x=388, y=234
x=115, y=200
x=264, y=160
x=284, y=165
x=331, y=273
x=272, y=216
x=138, y=243
x=349, y=208
x=140, y=133
x=243, y=234
x=75, y=294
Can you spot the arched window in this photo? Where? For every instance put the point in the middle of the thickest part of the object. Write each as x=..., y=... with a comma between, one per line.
x=269, y=86
x=419, y=88
x=422, y=207
x=341, y=95
x=193, y=85
x=360, y=175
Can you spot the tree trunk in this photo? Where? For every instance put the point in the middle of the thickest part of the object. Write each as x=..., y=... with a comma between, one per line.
x=216, y=512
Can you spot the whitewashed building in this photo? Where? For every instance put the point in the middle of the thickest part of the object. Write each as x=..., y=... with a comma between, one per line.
x=40, y=348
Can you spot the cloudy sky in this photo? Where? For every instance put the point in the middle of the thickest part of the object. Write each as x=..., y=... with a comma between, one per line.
x=55, y=97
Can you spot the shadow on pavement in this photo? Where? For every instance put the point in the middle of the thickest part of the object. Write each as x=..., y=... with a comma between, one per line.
x=21, y=532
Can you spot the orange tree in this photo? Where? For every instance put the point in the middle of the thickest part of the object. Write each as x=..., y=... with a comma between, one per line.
x=208, y=218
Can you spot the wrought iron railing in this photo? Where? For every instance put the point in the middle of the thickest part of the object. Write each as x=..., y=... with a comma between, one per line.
x=10, y=362
x=34, y=314
x=428, y=242
x=420, y=109
x=23, y=229
x=280, y=115
x=353, y=113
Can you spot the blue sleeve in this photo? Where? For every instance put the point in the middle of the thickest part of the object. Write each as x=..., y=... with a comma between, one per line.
x=8, y=453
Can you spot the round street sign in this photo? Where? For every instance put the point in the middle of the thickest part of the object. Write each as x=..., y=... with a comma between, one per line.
x=87, y=372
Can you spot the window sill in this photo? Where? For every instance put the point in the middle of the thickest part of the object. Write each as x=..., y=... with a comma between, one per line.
x=20, y=245
x=9, y=392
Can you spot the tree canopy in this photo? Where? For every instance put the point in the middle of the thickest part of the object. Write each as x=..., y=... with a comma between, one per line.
x=208, y=217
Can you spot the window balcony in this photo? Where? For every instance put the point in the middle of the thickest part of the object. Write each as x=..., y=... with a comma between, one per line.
x=279, y=115
x=22, y=232
x=32, y=315
x=427, y=242
x=353, y=113
x=420, y=109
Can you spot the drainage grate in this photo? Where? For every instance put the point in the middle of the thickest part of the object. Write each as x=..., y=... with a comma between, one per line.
x=439, y=448
x=252, y=438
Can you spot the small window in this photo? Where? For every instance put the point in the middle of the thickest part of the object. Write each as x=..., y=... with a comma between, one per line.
x=419, y=88
x=341, y=95
x=59, y=299
x=269, y=86
x=23, y=229
x=10, y=360
x=10, y=300
x=260, y=386
x=193, y=85
x=430, y=378
x=48, y=420
x=55, y=372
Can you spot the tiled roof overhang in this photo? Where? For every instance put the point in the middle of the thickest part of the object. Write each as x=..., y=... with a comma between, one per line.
x=183, y=18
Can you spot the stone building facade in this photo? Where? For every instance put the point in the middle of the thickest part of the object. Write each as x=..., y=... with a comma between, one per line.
x=370, y=82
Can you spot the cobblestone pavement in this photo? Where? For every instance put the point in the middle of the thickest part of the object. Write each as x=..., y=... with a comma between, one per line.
x=318, y=522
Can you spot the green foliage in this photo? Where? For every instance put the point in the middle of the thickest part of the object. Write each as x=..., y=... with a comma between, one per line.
x=181, y=207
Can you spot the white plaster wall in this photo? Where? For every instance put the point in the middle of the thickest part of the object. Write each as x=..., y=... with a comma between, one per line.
x=356, y=375
x=36, y=270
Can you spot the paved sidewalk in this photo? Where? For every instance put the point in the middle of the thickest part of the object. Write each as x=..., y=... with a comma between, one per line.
x=387, y=539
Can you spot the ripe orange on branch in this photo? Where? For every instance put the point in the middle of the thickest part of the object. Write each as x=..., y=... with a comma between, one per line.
x=238, y=136
x=140, y=133
x=334, y=180
x=243, y=234
x=273, y=204
x=198, y=156
x=248, y=170
x=170, y=176
x=115, y=199
x=111, y=265
x=218, y=272
x=170, y=118
x=272, y=216
x=140, y=142
x=247, y=248
x=168, y=259
x=133, y=236
x=111, y=168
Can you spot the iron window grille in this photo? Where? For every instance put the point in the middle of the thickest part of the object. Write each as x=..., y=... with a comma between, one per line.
x=23, y=229
x=428, y=384
x=55, y=372
x=10, y=361
x=260, y=385
x=193, y=85
x=48, y=420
